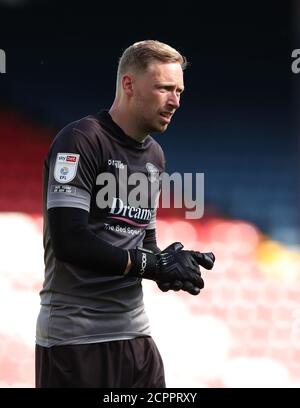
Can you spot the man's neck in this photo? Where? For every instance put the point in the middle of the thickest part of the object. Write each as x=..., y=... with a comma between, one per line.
x=122, y=119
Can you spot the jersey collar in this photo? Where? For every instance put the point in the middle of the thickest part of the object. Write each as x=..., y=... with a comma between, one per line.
x=116, y=132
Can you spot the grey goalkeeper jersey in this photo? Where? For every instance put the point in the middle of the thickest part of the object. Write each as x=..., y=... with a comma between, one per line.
x=77, y=305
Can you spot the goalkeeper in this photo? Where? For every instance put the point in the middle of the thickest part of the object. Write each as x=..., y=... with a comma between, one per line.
x=92, y=329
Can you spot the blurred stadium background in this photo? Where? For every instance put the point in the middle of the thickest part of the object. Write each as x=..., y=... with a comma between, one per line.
x=236, y=124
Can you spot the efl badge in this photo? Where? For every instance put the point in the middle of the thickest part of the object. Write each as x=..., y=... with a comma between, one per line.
x=66, y=167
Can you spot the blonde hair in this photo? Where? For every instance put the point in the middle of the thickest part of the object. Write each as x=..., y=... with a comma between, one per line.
x=139, y=56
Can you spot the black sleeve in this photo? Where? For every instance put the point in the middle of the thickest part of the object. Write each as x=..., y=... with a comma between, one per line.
x=74, y=242
x=149, y=241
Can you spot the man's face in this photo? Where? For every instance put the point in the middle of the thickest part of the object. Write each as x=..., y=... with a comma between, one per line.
x=156, y=95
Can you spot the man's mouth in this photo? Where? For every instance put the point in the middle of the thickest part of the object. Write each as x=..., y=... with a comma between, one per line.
x=166, y=115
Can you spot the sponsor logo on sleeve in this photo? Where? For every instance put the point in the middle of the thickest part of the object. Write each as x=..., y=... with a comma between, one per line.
x=71, y=159
x=66, y=167
x=63, y=189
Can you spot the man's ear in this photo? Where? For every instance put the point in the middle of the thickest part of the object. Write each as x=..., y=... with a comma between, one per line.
x=127, y=84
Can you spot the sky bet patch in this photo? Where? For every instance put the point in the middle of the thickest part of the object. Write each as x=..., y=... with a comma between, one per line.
x=66, y=167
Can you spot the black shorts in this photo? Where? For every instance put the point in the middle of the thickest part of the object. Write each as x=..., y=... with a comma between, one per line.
x=134, y=363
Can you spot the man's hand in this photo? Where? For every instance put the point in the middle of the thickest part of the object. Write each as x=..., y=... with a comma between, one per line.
x=172, y=264
x=204, y=259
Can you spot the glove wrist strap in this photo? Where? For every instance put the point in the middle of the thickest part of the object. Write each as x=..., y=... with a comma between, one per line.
x=144, y=263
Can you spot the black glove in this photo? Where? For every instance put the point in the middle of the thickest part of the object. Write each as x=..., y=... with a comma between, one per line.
x=168, y=266
x=204, y=259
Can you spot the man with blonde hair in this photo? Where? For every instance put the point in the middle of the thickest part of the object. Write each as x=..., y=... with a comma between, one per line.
x=92, y=329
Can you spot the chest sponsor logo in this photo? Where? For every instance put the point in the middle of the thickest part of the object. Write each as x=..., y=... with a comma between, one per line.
x=66, y=167
x=116, y=163
x=128, y=230
x=129, y=214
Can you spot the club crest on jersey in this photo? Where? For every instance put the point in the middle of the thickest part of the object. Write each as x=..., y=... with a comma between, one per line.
x=66, y=167
x=153, y=173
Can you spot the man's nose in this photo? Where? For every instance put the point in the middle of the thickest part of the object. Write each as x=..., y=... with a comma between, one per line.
x=174, y=100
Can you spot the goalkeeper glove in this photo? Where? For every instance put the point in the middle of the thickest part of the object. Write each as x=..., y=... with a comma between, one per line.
x=204, y=259
x=170, y=265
